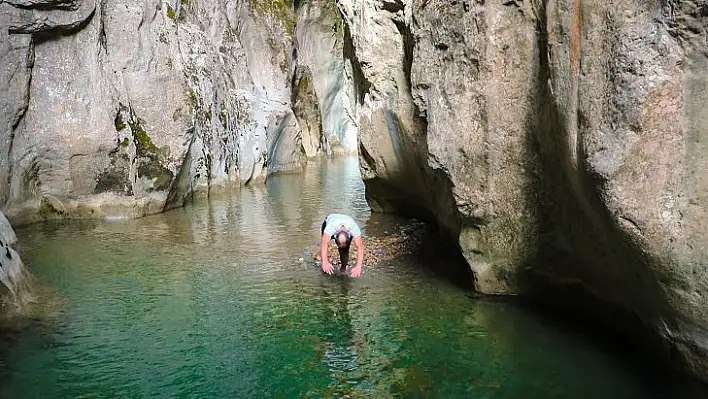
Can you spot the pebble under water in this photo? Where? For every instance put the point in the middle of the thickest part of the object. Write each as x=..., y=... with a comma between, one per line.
x=213, y=301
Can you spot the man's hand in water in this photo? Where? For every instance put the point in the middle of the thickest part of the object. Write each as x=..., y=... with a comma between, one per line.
x=327, y=267
x=356, y=271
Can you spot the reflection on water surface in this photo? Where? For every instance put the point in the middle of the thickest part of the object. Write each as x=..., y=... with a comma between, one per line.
x=212, y=301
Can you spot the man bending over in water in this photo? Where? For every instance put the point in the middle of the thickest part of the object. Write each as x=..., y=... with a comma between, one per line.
x=342, y=229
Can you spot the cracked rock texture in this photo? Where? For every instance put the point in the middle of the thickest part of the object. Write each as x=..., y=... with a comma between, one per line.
x=120, y=109
x=561, y=143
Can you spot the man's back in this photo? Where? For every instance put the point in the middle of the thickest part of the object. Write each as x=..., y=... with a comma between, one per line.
x=334, y=220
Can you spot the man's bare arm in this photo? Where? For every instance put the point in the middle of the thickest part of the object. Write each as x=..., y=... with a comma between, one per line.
x=359, y=251
x=324, y=254
x=359, y=256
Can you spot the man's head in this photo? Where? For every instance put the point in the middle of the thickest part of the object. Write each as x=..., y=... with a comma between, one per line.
x=342, y=239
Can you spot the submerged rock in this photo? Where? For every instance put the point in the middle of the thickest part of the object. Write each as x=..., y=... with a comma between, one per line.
x=378, y=249
x=12, y=272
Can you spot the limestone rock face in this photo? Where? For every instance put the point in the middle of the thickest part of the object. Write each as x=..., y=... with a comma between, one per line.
x=560, y=143
x=623, y=95
x=121, y=109
x=319, y=44
x=306, y=109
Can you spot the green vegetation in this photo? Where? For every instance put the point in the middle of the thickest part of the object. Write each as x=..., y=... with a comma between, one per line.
x=192, y=98
x=144, y=146
x=170, y=12
x=47, y=208
x=183, y=5
x=329, y=7
x=149, y=157
x=282, y=10
x=304, y=86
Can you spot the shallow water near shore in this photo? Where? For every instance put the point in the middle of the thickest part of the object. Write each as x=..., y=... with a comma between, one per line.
x=213, y=301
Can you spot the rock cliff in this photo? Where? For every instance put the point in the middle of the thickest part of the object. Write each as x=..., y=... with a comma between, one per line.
x=559, y=143
x=121, y=109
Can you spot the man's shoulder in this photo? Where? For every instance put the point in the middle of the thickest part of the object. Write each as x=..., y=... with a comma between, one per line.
x=340, y=217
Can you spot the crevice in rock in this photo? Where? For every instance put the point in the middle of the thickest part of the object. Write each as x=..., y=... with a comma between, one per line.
x=102, y=40
x=16, y=122
x=65, y=6
x=361, y=84
x=181, y=190
x=369, y=160
x=408, y=43
x=305, y=107
x=30, y=68
x=57, y=32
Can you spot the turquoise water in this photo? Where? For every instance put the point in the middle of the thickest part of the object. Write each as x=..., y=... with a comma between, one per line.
x=213, y=301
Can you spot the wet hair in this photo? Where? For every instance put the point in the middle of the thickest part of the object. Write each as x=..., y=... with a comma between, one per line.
x=342, y=236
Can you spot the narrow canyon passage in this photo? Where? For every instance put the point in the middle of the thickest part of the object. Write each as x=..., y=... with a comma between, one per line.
x=560, y=144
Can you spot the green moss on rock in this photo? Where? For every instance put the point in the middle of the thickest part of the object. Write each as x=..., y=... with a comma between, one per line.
x=51, y=208
x=170, y=12
x=192, y=98
x=329, y=7
x=149, y=160
x=305, y=84
x=113, y=180
x=144, y=146
x=282, y=10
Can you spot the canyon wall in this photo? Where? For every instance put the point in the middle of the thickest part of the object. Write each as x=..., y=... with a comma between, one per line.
x=122, y=109
x=558, y=143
